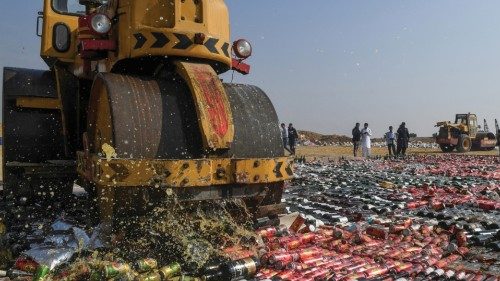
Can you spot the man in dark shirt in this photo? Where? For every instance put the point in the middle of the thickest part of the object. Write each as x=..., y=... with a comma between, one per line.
x=356, y=138
x=403, y=139
x=284, y=136
x=498, y=141
x=498, y=135
x=292, y=137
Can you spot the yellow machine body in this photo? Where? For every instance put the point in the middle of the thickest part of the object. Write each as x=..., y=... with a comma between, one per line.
x=148, y=28
x=140, y=108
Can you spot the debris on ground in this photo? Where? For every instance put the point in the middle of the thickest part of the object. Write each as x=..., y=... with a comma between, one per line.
x=415, y=218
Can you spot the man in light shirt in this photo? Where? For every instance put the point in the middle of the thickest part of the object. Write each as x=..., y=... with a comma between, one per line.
x=390, y=139
x=366, y=143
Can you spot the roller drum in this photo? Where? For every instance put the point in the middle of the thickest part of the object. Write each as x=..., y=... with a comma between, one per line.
x=145, y=118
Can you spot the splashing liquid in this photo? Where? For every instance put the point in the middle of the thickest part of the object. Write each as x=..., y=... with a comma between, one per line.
x=191, y=233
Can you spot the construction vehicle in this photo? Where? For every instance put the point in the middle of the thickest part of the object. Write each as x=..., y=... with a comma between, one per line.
x=132, y=108
x=464, y=135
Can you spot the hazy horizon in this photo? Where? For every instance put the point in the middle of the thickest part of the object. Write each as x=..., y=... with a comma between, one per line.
x=330, y=64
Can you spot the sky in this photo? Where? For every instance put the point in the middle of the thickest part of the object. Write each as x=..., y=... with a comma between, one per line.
x=327, y=64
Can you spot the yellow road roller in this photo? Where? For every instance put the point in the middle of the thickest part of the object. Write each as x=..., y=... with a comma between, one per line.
x=132, y=108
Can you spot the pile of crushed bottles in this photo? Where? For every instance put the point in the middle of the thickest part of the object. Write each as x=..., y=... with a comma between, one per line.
x=421, y=218
x=392, y=219
x=401, y=248
x=451, y=165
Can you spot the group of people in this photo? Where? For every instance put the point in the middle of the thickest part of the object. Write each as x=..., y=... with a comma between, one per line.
x=363, y=136
x=402, y=138
x=289, y=136
x=397, y=142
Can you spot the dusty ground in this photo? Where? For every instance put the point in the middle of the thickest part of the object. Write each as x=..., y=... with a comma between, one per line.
x=335, y=151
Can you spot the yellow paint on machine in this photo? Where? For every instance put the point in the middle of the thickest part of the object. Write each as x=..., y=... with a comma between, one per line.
x=1, y=153
x=149, y=28
x=42, y=103
x=179, y=21
x=211, y=102
x=183, y=173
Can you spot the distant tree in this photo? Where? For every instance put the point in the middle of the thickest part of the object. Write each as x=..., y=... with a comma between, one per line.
x=413, y=135
x=434, y=135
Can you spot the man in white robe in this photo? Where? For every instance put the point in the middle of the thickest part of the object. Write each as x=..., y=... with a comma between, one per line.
x=366, y=143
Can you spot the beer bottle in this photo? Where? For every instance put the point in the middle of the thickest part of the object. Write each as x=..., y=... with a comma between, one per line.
x=184, y=278
x=14, y=273
x=96, y=275
x=26, y=264
x=213, y=266
x=41, y=273
x=145, y=265
x=245, y=268
x=212, y=271
x=494, y=246
x=445, y=224
x=492, y=225
x=115, y=269
x=450, y=274
x=482, y=239
x=436, y=274
x=213, y=276
x=423, y=275
x=152, y=276
x=261, y=222
x=169, y=271
x=485, y=232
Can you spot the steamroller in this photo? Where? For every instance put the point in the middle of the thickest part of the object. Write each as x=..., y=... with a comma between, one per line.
x=132, y=108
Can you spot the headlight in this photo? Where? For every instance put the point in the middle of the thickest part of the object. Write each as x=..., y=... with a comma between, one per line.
x=242, y=48
x=101, y=23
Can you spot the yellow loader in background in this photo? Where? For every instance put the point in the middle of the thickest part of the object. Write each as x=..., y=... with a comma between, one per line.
x=464, y=135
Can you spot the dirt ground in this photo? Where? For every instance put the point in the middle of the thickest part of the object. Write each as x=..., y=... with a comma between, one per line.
x=336, y=151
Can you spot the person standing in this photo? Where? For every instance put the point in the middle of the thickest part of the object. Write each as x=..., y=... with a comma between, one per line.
x=498, y=140
x=284, y=136
x=356, y=138
x=292, y=138
x=390, y=139
x=366, y=143
x=403, y=139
